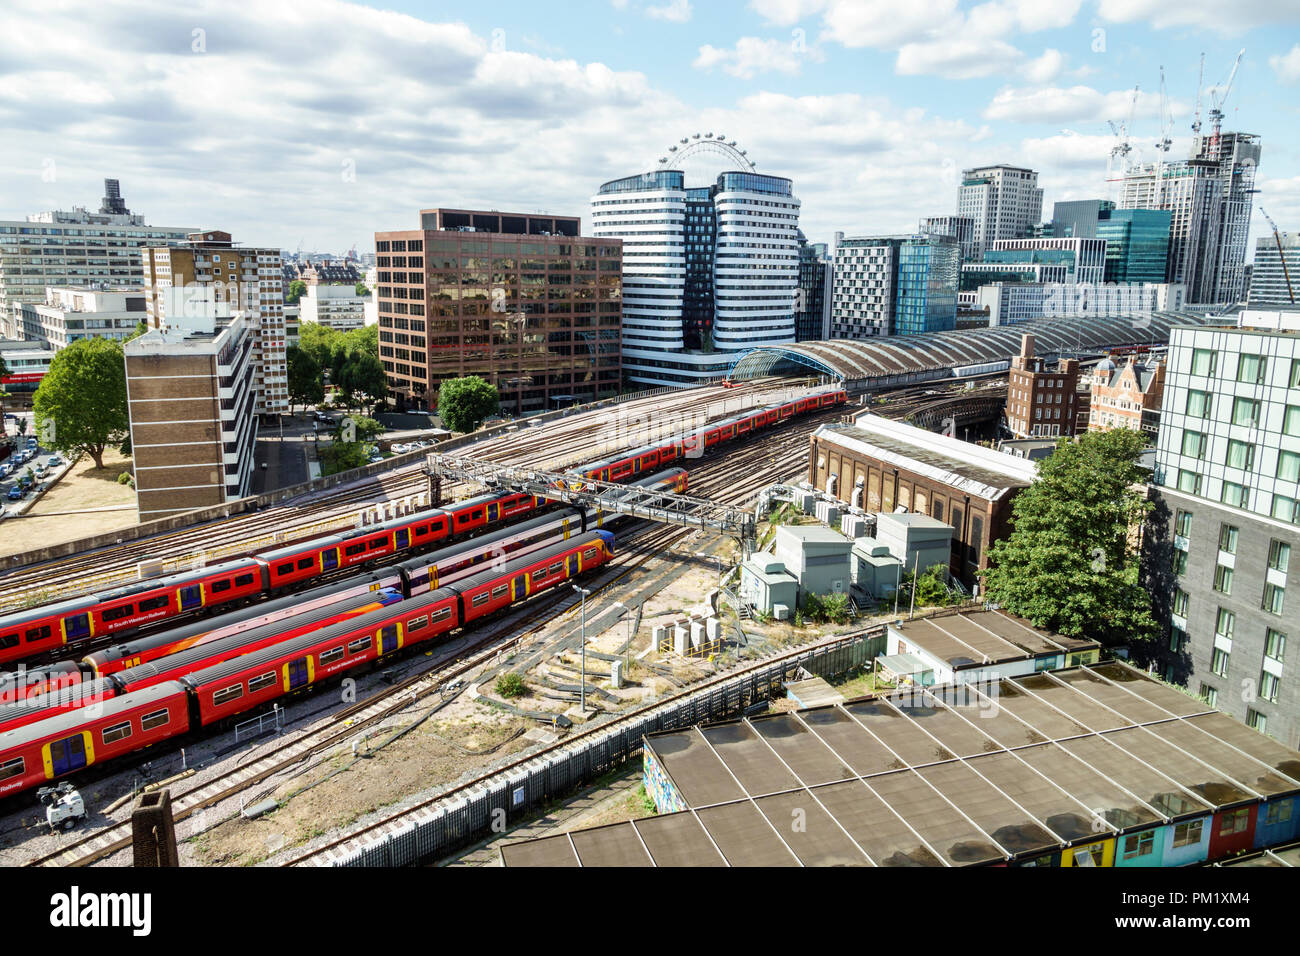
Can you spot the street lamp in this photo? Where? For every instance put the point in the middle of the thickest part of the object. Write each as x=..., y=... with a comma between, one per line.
x=583, y=686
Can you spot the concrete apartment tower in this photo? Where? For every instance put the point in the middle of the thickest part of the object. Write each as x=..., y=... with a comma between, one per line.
x=1004, y=202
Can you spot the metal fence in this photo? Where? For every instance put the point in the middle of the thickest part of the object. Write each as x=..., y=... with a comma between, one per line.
x=474, y=812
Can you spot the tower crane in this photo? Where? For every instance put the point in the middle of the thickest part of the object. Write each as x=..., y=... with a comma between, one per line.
x=1277, y=237
x=1200, y=77
x=1218, y=97
x=1121, y=149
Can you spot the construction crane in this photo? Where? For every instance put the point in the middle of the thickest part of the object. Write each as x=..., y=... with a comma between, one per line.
x=1218, y=97
x=1200, y=77
x=1277, y=237
x=1166, y=119
x=1122, y=148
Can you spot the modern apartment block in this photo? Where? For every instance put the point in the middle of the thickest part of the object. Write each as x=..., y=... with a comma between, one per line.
x=960, y=228
x=1041, y=402
x=191, y=393
x=1275, y=279
x=336, y=306
x=1004, y=202
x=67, y=315
x=210, y=267
x=1137, y=244
x=1227, y=480
x=894, y=285
x=1208, y=197
x=523, y=301
x=1126, y=395
x=711, y=268
x=812, y=313
x=77, y=249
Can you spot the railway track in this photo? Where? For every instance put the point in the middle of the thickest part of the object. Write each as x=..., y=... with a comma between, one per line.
x=732, y=479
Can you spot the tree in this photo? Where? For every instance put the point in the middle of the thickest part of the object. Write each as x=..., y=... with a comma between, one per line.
x=363, y=380
x=1070, y=563
x=306, y=385
x=141, y=328
x=361, y=289
x=297, y=289
x=84, y=396
x=463, y=403
x=357, y=429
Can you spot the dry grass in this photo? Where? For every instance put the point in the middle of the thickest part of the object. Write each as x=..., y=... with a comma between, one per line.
x=83, y=488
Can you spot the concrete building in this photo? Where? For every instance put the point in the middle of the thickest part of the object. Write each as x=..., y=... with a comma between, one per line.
x=1126, y=395
x=69, y=314
x=711, y=261
x=336, y=306
x=191, y=393
x=212, y=269
x=874, y=571
x=292, y=320
x=523, y=301
x=1010, y=303
x=812, y=304
x=1275, y=278
x=1003, y=202
x=882, y=465
x=768, y=586
x=1084, y=258
x=816, y=556
x=1227, y=483
x=1208, y=196
x=894, y=285
x=1041, y=403
x=27, y=363
x=77, y=249
x=918, y=540
x=959, y=228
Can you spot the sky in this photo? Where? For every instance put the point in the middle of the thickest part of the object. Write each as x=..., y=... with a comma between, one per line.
x=315, y=124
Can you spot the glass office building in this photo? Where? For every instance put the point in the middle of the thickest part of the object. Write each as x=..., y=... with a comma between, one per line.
x=1137, y=244
x=927, y=286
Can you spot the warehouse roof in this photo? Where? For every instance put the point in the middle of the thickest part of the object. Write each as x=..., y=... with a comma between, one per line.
x=942, y=776
x=983, y=638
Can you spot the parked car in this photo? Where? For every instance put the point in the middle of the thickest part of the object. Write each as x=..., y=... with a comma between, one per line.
x=31, y=441
x=6, y=470
x=41, y=471
x=16, y=493
x=55, y=461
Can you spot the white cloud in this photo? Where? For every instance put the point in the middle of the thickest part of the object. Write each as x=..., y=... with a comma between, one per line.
x=1045, y=68
x=786, y=13
x=1235, y=17
x=675, y=11
x=957, y=58
x=1287, y=67
x=753, y=55
x=1078, y=103
x=885, y=24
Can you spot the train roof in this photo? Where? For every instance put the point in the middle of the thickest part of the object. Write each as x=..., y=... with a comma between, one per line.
x=509, y=531
x=518, y=564
x=64, y=695
x=72, y=720
x=267, y=654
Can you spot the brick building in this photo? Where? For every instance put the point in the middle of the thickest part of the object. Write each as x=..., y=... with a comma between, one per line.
x=1041, y=402
x=522, y=301
x=1126, y=396
x=883, y=465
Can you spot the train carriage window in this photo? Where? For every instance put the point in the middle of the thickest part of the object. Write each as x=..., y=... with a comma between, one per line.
x=42, y=633
x=440, y=615
x=500, y=592
x=305, y=563
x=359, y=645
x=332, y=655
x=153, y=603
x=261, y=682
x=417, y=624
x=376, y=543
x=287, y=567
x=12, y=768
x=117, y=732
x=555, y=568
x=159, y=718
x=539, y=575
x=234, y=692
x=589, y=554
x=8, y=641
x=481, y=598
x=244, y=580
x=421, y=531
x=352, y=549
x=219, y=586
x=113, y=614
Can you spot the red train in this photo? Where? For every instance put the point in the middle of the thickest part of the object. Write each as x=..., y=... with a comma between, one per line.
x=43, y=750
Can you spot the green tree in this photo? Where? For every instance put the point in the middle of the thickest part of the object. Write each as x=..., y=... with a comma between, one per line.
x=1071, y=563
x=84, y=396
x=297, y=289
x=361, y=289
x=141, y=328
x=306, y=384
x=362, y=341
x=463, y=403
x=357, y=429
x=319, y=342
x=363, y=380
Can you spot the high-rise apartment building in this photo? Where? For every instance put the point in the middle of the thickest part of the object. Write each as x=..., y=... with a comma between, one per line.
x=1228, y=477
x=710, y=265
x=211, y=267
x=523, y=301
x=960, y=228
x=812, y=313
x=1275, y=279
x=894, y=285
x=1137, y=244
x=1004, y=202
x=1208, y=197
x=77, y=249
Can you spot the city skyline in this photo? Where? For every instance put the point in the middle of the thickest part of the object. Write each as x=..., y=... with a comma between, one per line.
x=338, y=117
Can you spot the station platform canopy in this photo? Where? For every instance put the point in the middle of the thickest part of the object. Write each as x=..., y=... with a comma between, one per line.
x=899, y=359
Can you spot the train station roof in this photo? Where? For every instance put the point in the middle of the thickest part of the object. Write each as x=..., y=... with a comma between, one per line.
x=951, y=775
x=903, y=355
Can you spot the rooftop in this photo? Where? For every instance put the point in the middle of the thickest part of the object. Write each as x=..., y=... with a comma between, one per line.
x=982, y=638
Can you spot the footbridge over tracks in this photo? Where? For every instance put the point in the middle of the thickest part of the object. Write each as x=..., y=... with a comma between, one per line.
x=868, y=365
x=631, y=500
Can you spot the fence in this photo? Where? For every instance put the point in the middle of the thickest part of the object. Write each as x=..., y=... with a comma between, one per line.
x=478, y=809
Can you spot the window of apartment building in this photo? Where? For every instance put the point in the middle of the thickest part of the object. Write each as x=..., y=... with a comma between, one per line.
x=1219, y=663
x=1275, y=645
x=1225, y=623
x=1183, y=524
x=1177, y=639
x=1204, y=361
x=1198, y=404
x=1257, y=721
x=1274, y=598
x=1223, y=579
x=1209, y=694
x=1233, y=494
x=1286, y=509
x=1245, y=411
x=1295, y=373
x=1288, y=466
x=1189, y=481
x=1228, y=538
x=1180, y=562
x=1181, y=599
x=1251, y=369
x=1268, y=686
x=1291, y=420
x=1279, y=555
x=1241, y=454
x=1193, y=444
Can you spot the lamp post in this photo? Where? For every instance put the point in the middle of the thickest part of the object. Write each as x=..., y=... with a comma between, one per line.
x=582, y=688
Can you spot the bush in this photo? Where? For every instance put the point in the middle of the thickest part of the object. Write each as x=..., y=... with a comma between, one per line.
x=125, y=479
x=510, y=686
x=827, y=608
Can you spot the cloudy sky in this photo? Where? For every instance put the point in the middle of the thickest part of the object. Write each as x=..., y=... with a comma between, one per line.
x=318, y=121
